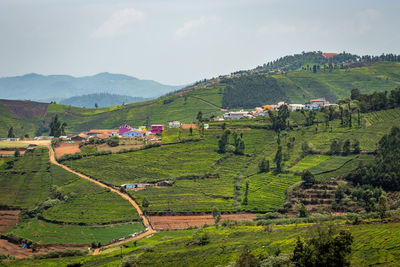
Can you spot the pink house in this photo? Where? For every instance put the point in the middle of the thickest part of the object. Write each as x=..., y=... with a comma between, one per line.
x=123, y=129
x=157, y=128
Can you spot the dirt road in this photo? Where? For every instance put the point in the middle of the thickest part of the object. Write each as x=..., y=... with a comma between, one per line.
x=150, y=229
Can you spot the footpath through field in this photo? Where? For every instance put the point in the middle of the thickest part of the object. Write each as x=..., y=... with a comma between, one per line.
x=146, y=222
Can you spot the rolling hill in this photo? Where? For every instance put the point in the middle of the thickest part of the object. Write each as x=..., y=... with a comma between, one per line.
x=101, y=99
x=209, y=96
x=53, y=87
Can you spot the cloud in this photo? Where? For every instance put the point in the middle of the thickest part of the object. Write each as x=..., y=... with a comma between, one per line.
x=366, y=19
x=118, y=22
x=276, y=28
x=189, y=26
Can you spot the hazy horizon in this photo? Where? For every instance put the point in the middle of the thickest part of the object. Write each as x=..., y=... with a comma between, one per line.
x=179, y=42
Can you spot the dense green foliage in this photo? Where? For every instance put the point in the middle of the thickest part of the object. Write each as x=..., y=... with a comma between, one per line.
x=385, y=172
x=373, y=244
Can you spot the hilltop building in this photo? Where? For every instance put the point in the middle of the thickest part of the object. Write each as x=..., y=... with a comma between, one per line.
x=157, y=128
x=123, y=129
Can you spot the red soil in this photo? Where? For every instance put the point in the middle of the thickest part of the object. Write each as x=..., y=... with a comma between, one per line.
x=18, y=251
x=182, y=222
x=67, y=148
x=6, y=153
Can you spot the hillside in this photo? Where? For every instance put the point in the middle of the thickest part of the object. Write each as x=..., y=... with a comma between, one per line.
x=101, y=99
x=246, y=91
x=52, y=87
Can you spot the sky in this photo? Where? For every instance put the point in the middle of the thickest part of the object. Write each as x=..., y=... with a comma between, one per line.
x=182, y=41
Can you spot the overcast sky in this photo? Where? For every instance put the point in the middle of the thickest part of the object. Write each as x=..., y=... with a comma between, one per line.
x=178, y=42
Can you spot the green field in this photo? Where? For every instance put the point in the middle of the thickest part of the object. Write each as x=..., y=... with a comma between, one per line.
x=374, y=244
x=48, y=233
x=33, y=180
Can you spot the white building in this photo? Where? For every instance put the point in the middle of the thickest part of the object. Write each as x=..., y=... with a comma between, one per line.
x=235, y=115
x=294, y=107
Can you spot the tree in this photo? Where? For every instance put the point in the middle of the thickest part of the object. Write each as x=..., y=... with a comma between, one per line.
x=96, y=105
x=113, y=141
x=314, y=68
x=223, y=141
x=341, y=116
x=350, y=116
x=246, y=259
x=263, y=166
x=145, y=203
x=335, y=147
x=16, y=153
x=11, y=133
x=278, y=159
x=216, y=213
x=346, y=147
x=190, y=131
x=356, y=147
x=57, y=128
x=326, y=247
x=308, y=178
x=246, y=193
x=199, y=116
x=355, y=94
x=382, y=206
x=305, y=148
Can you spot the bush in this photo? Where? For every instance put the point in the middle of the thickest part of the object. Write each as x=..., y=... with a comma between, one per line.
x=62, y=253
x=113, y=141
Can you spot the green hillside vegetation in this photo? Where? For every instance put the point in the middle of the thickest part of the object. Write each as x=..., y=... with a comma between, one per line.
x=31, y=180
x=203, y=178
x=374, y=244
x=43, y=232
x=249, y=91
x=302, y=85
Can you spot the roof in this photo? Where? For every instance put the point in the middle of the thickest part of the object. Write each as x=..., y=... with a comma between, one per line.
x=157, y=125
x=329, y=55
x=318, y=100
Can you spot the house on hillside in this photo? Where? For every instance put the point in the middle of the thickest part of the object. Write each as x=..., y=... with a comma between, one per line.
x=319, y=101
x=134, y=133
x=269, y=107
x=294, y=107
x=157, y=128
x=123, y=129
x=174, y=124
x=134, y=186
x=235, y=115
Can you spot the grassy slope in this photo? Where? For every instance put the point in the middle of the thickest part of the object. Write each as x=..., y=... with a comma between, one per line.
x=304, y=85
x=374, y=244
x=266, y=191
x=299, y=86
x=36, y=181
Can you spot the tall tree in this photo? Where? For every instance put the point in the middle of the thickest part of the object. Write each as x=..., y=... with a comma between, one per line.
x=11, y=133
x=278, y=159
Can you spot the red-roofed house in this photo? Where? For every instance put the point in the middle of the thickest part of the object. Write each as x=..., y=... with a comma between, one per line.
x=319, y=101
x=123, y=129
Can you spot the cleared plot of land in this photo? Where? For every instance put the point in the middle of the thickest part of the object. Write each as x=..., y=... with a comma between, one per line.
x=48, y=233
x=67, y=148
x=182, y=222
x=8, y=219
x=7, y=248
x=23, y=143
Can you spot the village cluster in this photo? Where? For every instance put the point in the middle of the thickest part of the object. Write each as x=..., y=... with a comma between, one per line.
x=314, y=104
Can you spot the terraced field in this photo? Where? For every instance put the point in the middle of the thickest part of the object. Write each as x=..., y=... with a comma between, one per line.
x=374, y=244
x=48, y=233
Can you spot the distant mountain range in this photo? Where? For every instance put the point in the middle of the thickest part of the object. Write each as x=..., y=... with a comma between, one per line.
x=55, y=87
x=101, y=100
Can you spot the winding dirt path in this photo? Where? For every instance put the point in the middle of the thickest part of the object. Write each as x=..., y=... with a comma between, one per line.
x=146, y=222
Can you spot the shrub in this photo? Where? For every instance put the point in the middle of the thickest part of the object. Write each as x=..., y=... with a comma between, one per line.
x=113, y=141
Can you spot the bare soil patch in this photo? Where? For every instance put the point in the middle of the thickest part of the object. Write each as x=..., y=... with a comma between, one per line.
x=6, y=153
x=18, y=251
x=182, y=222
x=188, y=125
x=28, y=109
x=8, y=219
x=67, y=148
